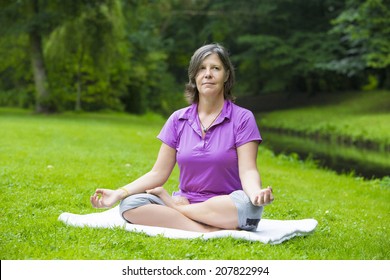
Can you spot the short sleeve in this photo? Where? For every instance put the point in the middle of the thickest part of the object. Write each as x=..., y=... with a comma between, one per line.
x=247, y=129
x=168, y=133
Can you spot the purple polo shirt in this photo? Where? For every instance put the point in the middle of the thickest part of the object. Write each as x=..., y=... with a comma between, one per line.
x=209, y=167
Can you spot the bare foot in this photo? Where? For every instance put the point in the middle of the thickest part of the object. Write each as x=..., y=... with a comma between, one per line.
x=163, y=195
x=180, y=200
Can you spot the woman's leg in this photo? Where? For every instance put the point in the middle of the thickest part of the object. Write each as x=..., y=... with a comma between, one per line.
x=163, y=216
x=218, y=211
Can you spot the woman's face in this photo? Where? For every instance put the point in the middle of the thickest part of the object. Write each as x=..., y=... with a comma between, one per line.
x=211, y=77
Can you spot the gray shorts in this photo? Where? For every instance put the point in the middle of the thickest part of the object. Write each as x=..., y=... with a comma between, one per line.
x=248, y=215
x=137, y=200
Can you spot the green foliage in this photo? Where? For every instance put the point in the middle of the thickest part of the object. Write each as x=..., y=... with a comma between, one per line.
x=372, y=83
x=38, y=19
x=151, y=86
x=133, y=55
x=16, y=78
x=364, y=29
x=287, y=59
x=91, y=50
x=58, y=161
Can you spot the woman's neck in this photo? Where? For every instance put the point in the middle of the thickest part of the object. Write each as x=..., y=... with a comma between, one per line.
x=209, y=107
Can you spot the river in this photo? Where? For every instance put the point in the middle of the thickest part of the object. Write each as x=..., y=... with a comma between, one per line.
x=343, y=159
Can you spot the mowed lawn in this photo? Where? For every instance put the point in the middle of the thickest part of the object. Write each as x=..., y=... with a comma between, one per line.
x=52, y=164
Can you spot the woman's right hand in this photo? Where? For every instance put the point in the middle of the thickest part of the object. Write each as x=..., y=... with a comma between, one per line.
x=105, y=198
x=264, y=197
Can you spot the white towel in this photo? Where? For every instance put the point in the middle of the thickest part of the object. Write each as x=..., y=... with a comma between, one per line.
x=268, y=231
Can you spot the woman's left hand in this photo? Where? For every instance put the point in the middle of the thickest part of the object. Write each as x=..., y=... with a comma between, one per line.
x=263, y=197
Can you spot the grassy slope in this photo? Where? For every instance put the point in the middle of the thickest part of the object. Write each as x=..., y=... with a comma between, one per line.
x=49, y=165
x=360, y=117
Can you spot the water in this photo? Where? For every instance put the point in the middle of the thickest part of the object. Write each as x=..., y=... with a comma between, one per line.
x=343, y=159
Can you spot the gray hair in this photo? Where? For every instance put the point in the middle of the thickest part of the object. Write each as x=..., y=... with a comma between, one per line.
x=191, y=91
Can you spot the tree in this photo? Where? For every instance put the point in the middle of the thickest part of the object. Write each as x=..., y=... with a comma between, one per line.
x=91, y=50
x=364, y=32
x=15, y=72
x=37, y=19
x=152, y=85
x=133, y=55
x=33, y=23
x=276, y=46
x=281, y=43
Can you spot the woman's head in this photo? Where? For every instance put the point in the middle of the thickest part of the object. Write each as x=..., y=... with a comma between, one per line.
x=191, y=91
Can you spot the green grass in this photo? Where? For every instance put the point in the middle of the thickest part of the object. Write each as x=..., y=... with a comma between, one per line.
x=362, y=117
x=52, y=164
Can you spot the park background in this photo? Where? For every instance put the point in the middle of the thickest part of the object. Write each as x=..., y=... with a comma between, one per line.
x=85, y=86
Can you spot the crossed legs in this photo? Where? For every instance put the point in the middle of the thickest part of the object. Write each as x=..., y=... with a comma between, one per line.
x=218, y=211
x=214, y=214
x=163, y=216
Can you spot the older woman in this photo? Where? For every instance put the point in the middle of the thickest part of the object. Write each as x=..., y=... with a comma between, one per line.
x=214, y=143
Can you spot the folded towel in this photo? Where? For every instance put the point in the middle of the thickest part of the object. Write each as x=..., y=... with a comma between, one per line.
x=268, y=231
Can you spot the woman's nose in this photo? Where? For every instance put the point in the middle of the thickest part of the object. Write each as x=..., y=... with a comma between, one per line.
x=207, y=73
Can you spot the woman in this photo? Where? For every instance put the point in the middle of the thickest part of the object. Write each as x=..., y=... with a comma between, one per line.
x=215, y=144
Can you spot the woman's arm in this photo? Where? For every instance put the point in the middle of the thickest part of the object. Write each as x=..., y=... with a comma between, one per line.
x=249, y=175
x=166, y=159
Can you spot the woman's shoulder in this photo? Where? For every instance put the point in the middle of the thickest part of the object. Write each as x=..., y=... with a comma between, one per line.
x=241, y=112
x=183, y=113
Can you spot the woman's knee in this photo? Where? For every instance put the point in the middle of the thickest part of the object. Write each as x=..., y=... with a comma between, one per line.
x=249, y=215
x=128, y=206
x=129, y=216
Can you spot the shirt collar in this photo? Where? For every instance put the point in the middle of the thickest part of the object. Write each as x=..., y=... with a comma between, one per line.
x=191, y=112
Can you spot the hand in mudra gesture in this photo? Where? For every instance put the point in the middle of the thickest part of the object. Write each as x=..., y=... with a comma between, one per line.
x=263, y=197
x=105, y=198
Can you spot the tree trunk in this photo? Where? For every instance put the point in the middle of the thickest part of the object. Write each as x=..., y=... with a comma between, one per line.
x=78, y=82
x=38, y=66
